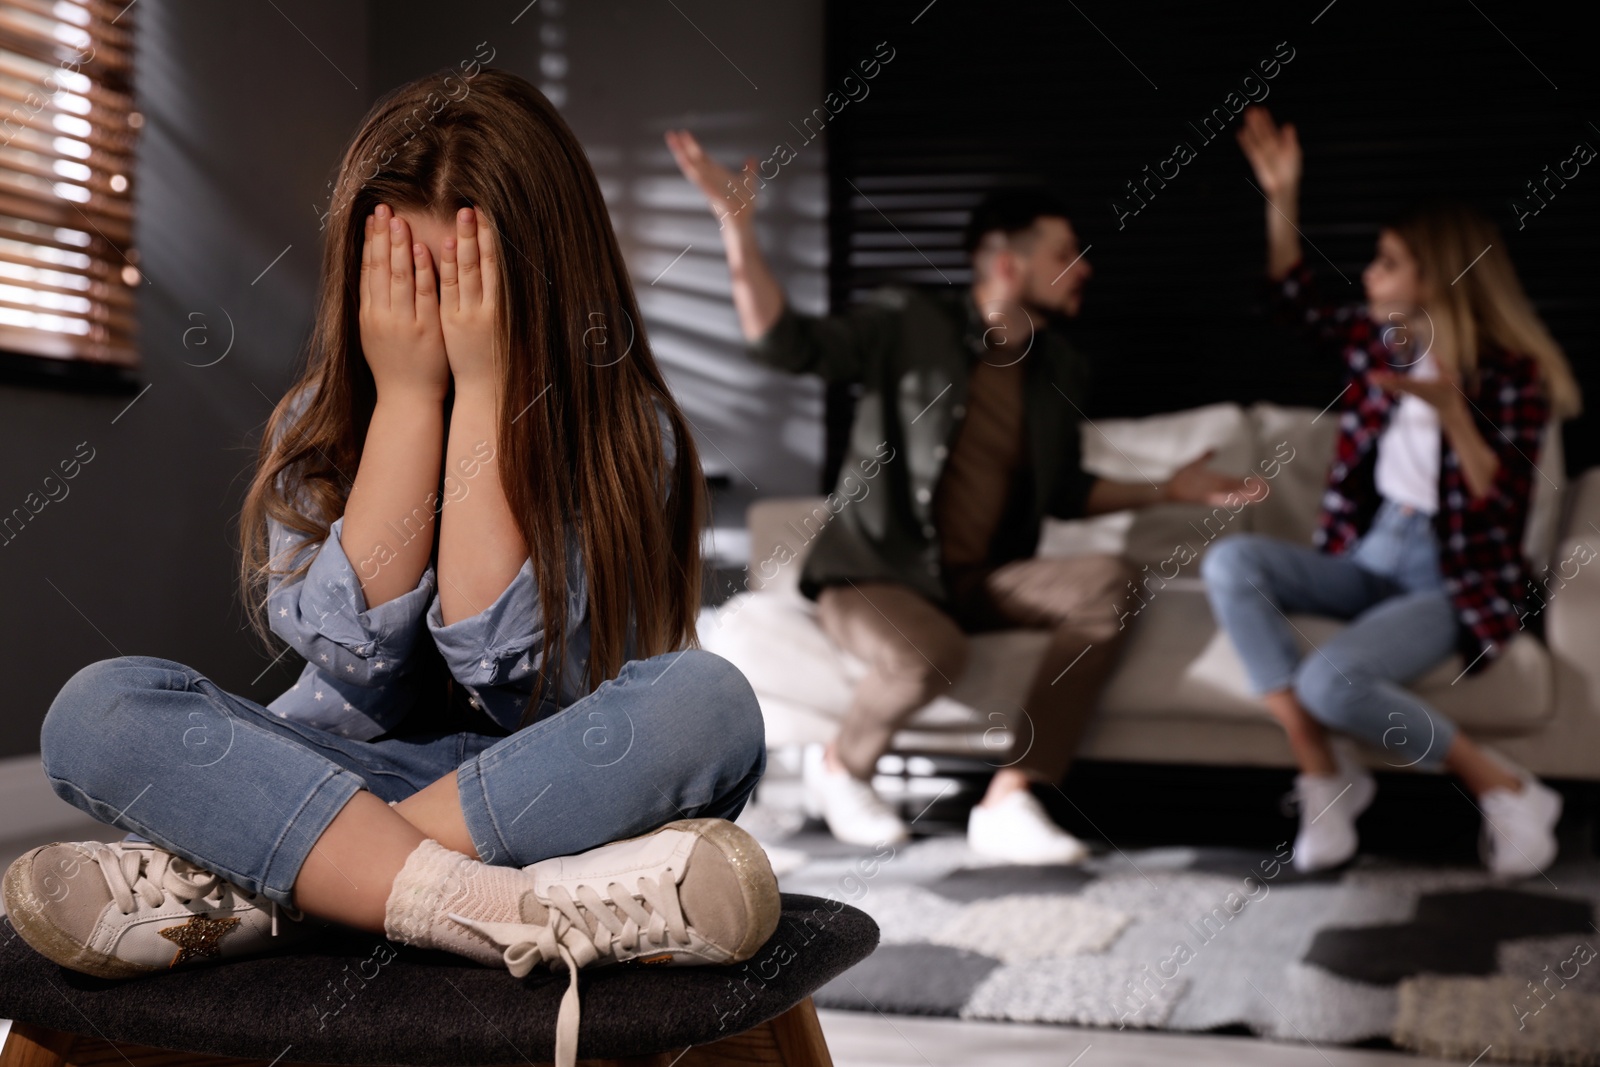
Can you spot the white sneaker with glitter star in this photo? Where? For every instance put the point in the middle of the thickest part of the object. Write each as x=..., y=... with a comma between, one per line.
x=125, y=908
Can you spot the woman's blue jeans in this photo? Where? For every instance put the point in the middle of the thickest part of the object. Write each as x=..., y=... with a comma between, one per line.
x=1401, y=625
x=155, y=748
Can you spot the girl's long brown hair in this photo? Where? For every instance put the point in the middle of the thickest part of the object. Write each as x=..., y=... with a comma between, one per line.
x=586, y=452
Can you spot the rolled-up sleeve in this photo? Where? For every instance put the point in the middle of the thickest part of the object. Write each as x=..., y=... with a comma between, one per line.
x=492, y=647
x=839, y=348
x=498, y=654
x=324, y=616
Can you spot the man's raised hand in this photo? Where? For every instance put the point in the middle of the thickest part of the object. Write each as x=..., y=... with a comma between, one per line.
x=731, y=196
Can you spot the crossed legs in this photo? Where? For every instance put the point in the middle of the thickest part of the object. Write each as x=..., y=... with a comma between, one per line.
x=300, y=815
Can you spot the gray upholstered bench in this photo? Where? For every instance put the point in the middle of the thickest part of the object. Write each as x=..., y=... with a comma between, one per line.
x=355, y=998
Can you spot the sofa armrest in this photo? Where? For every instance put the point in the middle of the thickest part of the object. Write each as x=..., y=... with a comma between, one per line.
x=1570, y=588
x=786, y=522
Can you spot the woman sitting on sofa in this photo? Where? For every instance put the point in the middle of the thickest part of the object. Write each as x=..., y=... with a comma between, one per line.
x=1452, y=379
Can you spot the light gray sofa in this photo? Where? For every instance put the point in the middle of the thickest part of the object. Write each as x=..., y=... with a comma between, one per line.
x=1179, y=693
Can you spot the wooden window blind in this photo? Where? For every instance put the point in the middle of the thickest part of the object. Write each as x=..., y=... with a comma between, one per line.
x=67, y=133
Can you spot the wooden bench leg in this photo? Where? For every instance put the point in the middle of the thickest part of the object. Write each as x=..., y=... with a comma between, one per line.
x=34, y=1046
x=793, y=1039
x=799, y=1037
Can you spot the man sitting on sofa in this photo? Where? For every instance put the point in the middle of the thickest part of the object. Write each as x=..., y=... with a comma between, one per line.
x=971, y=404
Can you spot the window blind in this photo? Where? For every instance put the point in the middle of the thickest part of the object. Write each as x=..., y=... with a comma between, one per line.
x=67, y=134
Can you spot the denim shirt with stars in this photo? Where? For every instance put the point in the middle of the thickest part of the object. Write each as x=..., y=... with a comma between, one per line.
x=353, y=683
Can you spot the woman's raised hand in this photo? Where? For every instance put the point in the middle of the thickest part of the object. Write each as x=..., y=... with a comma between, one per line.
x=731, y=196
x=1273, y=152
x=469, y=301
x=401, y=333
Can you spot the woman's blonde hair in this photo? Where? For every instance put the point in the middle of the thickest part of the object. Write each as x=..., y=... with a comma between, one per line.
x=590, y=460
x=1473, y=295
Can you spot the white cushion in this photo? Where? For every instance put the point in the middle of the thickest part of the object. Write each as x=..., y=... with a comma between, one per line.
x=804, y=682
x=781, y=532
x=1151, y=449
x=773, y=637
x=1297, y=444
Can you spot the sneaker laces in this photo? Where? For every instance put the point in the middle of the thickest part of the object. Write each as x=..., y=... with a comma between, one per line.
x=578, y=931
x=137, y=875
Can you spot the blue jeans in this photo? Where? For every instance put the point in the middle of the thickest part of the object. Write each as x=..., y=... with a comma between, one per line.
x=1402, y=625
x=155, y=748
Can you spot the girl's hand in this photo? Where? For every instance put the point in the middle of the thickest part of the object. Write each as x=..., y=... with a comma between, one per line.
x=730, y=196
x=469, y=302
x=1273, y=152
x=401, y=334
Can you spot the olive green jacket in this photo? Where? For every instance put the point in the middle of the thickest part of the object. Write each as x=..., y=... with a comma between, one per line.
x=912, y=350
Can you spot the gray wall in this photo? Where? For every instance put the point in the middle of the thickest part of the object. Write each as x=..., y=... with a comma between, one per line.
x=247, y=108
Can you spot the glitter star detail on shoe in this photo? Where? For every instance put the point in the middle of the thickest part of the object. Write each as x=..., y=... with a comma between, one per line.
x=117, y=909
x=198, y=939
x=693, y=892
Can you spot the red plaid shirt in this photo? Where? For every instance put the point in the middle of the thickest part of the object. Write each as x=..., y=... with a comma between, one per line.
x=1480, y=541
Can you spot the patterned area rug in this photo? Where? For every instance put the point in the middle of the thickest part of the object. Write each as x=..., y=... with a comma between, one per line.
x=1442, y=961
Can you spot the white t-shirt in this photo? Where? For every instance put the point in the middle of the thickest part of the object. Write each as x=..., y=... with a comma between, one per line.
x=1408, y=450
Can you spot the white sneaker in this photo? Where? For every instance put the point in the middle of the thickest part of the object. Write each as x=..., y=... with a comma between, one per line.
x=1329, y=806
x=1018, y=830
x=854, y=813
x=126, y=908
x=691, y=892
x=1519, y=828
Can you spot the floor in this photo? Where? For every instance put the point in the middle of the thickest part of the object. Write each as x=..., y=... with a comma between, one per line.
x=859, y=1039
